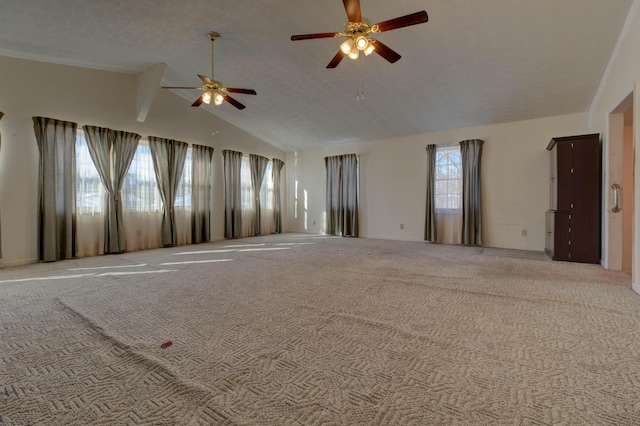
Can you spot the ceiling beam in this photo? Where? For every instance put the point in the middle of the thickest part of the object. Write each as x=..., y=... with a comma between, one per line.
x=148, y=83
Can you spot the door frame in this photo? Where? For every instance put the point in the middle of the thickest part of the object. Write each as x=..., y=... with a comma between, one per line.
x=612, y=223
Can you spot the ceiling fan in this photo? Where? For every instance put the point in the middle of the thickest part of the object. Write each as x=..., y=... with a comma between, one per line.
x=213, y=89
x=357, y=31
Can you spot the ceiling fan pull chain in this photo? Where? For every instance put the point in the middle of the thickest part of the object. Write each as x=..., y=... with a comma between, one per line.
x=362, y=70
x=357, y=82
x=358, y=78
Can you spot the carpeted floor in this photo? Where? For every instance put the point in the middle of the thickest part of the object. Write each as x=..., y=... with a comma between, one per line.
x=307, y=330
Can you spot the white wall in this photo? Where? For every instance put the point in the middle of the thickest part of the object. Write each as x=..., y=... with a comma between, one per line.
x=622, y=78
x=100, y=98
x=515, y=182
x=514, y=171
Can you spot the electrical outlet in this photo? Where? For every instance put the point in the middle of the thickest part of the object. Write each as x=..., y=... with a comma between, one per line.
x=402, y=226
x=524, y=232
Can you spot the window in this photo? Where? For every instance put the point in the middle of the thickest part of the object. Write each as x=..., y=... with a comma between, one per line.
x=267, y=201
x=247, y=199
x=266, y=191
x=448, y=178
x=246, y=188
x=139, y=189
x=90, y=192
x=247, y=194
x=183, y=194
x=141, y=201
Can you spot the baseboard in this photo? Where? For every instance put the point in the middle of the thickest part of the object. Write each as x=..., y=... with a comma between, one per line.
x=636, y=287
x=10, y=263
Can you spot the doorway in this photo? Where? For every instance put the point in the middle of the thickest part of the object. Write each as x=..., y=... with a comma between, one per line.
x=618, y=190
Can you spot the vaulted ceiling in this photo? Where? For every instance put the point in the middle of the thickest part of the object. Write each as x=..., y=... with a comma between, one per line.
x=475, y=62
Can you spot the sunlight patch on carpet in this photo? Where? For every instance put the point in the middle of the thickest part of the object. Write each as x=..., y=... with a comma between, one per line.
x=55, y=277
x=159, y=271
x=196, y=261
x=89, y=268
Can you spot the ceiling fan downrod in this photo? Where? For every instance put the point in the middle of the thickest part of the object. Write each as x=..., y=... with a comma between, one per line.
x=213, y=36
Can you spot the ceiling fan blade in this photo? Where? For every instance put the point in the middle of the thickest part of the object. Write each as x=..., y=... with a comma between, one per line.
x=312, y=36
x=336, y=59
x=243, y=91
x=352, y=7
x=197, y=102
x=179, y=87
x=404, y=21
x=233, y=102
x=385, y=51
x=205, y=79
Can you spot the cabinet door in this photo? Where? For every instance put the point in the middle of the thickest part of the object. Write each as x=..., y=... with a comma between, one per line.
x=550, y=239
x=554, y=180
x=584, y=237
x=561, y=236
x=586, y=175
x=564, y=175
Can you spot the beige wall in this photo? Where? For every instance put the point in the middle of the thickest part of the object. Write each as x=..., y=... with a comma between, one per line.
x=515, y=179
x=100, y=98
x=621, y=79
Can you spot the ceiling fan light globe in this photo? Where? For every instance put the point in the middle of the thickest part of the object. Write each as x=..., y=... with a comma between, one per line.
x=362, y=43
x=346, y=47
x=354, y=54
x=206, y=97
x=369, y=49
x=218, y=99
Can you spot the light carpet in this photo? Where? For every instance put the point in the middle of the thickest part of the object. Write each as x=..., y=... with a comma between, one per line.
x=309, y=330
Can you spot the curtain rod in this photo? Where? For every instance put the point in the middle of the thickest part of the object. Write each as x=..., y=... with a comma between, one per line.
x=451, y=144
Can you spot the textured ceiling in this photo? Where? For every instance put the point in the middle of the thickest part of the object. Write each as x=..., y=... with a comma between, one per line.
x=474, y=63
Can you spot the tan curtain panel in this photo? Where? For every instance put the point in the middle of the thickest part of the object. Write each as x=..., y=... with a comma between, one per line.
x=1, y=115
x=471, y=151
x=201, y=180
x=342, y=195
x=123, y=150
x=56, y=188
x=258, y=165
x=430, y=233
x=168, y=160
x=277, y=196
x=112, y=152
x=232, y=194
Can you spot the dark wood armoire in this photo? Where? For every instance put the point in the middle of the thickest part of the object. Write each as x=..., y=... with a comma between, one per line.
x=573, y=220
